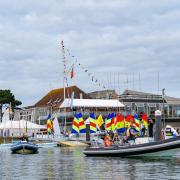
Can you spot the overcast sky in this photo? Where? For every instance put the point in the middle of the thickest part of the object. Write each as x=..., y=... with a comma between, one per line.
x=117, y=41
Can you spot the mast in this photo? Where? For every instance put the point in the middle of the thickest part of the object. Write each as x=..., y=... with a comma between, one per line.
x=64, y=80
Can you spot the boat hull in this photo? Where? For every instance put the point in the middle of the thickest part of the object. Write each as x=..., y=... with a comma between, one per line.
x=24, y=148
x=163, y=148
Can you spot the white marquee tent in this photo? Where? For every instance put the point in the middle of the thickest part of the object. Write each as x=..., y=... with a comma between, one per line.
x=17, y=128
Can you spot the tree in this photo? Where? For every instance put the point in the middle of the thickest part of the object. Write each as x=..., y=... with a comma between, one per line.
x=7, y=97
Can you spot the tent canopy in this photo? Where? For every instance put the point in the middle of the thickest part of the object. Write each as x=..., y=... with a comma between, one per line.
x=101, y=103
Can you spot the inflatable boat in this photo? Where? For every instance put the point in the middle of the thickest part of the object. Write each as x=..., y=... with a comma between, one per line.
x=24, y=147
x=167, y=147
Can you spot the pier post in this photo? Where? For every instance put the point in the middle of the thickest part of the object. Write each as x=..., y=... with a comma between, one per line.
x=158, y=126
x=87, y=130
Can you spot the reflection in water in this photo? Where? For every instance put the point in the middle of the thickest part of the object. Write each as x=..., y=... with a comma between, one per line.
x=70, y=163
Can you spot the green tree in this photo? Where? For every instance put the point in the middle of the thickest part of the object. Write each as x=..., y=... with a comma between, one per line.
x=7, y=97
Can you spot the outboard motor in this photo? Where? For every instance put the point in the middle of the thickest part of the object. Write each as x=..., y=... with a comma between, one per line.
x=158, y=126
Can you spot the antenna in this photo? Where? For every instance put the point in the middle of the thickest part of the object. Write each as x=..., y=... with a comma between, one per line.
x=127, y=83
x=139, y=82
x=133, y=81
x=158, y=83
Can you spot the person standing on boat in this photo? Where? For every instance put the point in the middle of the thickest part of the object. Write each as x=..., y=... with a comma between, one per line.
x=143, y=130
x=131, y=133
x=150, y=127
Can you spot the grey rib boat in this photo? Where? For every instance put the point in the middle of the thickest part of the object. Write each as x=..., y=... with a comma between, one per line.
x=167, y=147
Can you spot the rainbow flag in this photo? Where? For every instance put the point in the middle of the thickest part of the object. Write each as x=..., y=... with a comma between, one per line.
x=145, y=120
x=93, y=128
x=82, y=127
x=49, y=125
x=137, y=123
x=108, y=123
x=129, y=119
x=119, y=124
x=75, y=124
x=113, y=120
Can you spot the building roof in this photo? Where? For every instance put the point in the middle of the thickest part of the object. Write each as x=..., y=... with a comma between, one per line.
x=172, y=100
x=139, y=93
x=101, y=103
x=104, y=94
x=56, y=96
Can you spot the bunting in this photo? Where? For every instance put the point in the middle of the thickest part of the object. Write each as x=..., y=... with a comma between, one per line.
x=85, y=70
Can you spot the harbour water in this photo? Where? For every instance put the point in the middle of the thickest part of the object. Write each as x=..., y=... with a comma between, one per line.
x=70, y=163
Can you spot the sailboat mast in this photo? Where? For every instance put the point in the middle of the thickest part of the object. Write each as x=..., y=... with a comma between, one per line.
x=64, y=81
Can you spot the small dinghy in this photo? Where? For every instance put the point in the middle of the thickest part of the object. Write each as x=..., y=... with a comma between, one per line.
x=167, y=147
x=24, y=147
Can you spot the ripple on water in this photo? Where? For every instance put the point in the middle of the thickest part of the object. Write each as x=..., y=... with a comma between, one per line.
x=70, y=163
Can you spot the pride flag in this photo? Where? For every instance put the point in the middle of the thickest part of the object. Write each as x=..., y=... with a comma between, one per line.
x=108, y=123
x=93, y=128
x=82, y=127
x=75, y=124
x=145, y=120
x=119, y=124
x=113, y=122
x=49, y=125
x=129, y=119
x=137, y=123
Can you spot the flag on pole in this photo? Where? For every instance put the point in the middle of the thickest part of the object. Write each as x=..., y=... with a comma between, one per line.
x=72, y=72
x=145, y=120
x=129, y=119
x=108, y=123
x=49, y=124
x=100, y=121
x=82, y=127
x=119, y=124
x=75, y=124
x=137, y=123
x=93, y=128
x=113, y=122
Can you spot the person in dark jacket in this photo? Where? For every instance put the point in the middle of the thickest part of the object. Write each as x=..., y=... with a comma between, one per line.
x=150, y=128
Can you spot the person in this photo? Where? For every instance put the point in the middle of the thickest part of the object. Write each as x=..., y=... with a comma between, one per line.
x=107, y=141
x=116, y=139
x=143, y=129
x=177, y=130
x=170, y=132
x=131, y=133
x=150, y=128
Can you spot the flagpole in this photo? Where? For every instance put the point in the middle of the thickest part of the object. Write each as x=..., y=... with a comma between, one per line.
x=64, y=79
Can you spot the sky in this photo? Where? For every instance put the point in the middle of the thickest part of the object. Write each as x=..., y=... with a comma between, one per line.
x=123, y=44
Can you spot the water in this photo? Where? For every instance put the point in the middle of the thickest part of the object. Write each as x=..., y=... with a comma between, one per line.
x=70, y=163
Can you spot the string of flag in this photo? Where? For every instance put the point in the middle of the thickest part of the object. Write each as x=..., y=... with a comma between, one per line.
x=92, y=77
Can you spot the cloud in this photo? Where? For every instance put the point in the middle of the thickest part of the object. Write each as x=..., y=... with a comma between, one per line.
x=115, y=40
